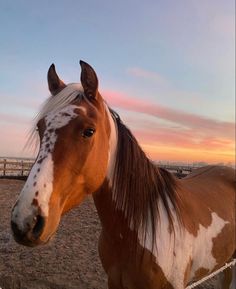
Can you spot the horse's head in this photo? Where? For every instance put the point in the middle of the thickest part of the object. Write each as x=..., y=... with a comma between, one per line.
x=75, y=131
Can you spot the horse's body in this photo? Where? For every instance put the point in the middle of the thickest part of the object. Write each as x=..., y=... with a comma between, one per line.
x=157, y=231
x=198, y=248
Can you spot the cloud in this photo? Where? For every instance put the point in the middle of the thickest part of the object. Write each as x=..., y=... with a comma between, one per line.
x=151, y=75
x=202, y=125
x=170, y=153
x=163, y=132
x=171, y=134
x=183, y=139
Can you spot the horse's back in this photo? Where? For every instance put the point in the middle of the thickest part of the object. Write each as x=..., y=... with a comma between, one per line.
x=209, y=190
x=213, y=171
x=208, y=210
x=207, y=173
x=211, y=184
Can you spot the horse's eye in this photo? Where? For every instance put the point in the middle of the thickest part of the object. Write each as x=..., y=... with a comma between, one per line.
x=88, y=132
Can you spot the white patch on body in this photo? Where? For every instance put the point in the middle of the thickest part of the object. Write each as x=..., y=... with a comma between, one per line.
x=39, y=184
x=174, y=253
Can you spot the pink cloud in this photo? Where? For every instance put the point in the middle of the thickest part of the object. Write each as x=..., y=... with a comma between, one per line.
x=182, y=139
x=140, y=72
x=181, y=131
x=203, y=125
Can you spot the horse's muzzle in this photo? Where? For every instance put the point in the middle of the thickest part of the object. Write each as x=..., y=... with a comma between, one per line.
x=30, y=235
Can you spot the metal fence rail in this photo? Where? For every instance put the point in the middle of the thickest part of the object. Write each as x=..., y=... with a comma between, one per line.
x=178, y=170
x=15, y=168
x=19, y=168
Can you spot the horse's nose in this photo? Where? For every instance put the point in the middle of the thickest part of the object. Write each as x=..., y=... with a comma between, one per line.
x=31, y=232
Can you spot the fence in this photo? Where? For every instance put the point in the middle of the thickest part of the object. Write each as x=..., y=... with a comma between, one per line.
x=178, y=170
x=15, y=168
x=19, y=168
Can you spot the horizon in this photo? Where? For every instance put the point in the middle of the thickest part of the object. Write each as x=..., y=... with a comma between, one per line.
x=157, y=162
x=167, y=68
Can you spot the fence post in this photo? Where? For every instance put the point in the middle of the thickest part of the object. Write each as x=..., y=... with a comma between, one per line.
x=4, y=166
x=22, y=168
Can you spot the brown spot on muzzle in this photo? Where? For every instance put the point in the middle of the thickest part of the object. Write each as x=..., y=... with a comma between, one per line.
x=35, y=202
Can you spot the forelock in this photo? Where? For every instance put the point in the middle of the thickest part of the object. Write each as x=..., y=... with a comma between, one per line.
x=72, y=92
x=54, y=103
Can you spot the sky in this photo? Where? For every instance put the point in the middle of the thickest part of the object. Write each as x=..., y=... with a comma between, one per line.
x=166, y=66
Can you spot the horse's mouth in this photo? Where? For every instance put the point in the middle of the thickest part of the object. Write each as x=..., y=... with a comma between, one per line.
x=30, y=242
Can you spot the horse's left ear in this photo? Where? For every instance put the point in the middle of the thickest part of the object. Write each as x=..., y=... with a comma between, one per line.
x=89, y=80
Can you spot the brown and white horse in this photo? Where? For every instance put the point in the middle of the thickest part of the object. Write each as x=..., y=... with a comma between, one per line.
x=157, y=231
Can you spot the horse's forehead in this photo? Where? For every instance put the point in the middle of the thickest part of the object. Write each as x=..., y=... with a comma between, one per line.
x=60, y=118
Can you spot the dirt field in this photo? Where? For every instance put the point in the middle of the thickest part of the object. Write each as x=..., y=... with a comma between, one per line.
x=70, y=261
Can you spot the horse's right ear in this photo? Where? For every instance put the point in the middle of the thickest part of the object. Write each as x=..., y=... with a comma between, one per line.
x=55, y=84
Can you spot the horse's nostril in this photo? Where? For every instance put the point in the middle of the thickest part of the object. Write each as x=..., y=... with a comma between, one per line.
x=16, y=231
x=38, y=226
x=29, y=235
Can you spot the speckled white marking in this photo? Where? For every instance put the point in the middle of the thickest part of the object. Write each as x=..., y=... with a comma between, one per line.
x=61, y=100
x=39, y=184
x=173, y=254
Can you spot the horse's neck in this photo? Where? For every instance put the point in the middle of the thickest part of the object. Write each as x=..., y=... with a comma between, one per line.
x=112, y=220
x=110, y=206
x=118, y=233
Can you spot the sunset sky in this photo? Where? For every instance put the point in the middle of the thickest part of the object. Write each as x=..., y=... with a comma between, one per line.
x=166, y=66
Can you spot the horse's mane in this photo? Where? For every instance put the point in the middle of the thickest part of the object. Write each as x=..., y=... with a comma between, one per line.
x=138, y=185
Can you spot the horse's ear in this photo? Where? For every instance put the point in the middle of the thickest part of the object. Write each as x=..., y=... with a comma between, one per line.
x=55, y=84
x=89, y=80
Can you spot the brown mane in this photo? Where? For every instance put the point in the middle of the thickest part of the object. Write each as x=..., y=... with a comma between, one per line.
x=138, y=185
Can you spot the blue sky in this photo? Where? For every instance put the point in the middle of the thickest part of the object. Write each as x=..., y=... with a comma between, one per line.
x=175, y=55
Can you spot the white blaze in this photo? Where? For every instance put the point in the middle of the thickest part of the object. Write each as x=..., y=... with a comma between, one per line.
x=39, y=184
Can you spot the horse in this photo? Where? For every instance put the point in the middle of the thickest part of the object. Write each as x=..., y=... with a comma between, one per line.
x=157, y=231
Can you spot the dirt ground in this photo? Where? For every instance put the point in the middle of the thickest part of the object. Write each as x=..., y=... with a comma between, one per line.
x=70, y=261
